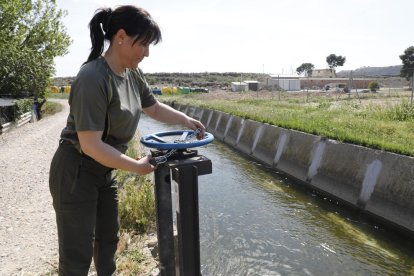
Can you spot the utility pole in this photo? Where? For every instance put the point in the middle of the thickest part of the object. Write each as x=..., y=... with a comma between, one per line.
x=278, y=86
x=307, y=86
x=412, y=88
x=241, y=77
x=350, y=82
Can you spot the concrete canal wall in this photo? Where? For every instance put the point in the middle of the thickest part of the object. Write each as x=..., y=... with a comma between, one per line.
x=376, y=182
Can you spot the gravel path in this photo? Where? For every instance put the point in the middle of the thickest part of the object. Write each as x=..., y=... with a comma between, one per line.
x=28, y=236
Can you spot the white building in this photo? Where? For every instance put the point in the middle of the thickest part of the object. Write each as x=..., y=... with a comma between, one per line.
x=284, y=82
x=323, y=73
x=239, y=86
x=252, y=85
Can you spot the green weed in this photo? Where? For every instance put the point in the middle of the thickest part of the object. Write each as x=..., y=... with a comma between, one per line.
x=136, y=205
x=136, y=197
x=401, y=112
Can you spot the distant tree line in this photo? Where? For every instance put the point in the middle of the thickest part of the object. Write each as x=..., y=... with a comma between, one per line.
x=334, y=61
x=208, y=79
x=203, y=79
x=407, y=59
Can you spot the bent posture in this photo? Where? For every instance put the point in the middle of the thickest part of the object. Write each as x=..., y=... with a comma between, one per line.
x=106, y=101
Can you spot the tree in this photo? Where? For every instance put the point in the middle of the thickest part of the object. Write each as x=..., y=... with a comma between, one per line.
x=373, y=86
x=408, y=63
x=31, y=36
x=306, y=68
x=335, y=61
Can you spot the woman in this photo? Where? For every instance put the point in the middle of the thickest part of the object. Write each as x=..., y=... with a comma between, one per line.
x=106, y=100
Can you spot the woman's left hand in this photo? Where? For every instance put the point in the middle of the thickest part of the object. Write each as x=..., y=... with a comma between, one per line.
x=164, y=113
x=194, y=125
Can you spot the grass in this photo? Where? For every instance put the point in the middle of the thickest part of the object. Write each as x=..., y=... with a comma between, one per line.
x=136, y=197
x=131, y=258
x=374, y=120
x=136, y=206
x=50, y=108
x=137, y=218
x=58, y=95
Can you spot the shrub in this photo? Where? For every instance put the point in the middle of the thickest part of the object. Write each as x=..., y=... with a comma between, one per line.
x=23, y=106
x=136, y=197
x=50, y=108
x=401, y=112
x=136, y=205
x=373, y=86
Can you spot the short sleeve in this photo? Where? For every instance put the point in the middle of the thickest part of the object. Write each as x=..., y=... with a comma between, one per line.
x=147, y=98
x=89, y=101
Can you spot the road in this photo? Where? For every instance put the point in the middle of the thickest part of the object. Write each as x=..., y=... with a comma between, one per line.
x=28, y=236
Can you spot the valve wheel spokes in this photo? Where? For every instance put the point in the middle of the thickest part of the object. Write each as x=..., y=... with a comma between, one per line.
x=156, y=140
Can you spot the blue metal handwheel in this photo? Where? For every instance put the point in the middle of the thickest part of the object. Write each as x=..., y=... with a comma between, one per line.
x=156, y=140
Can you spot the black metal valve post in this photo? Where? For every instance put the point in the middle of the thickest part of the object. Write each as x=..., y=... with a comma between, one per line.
x=179, y=254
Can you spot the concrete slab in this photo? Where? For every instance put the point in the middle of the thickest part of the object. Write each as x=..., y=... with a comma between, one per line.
x=342, y=170
x=233, y=130
x=222, y=126
x=205, y=116
x=392, y=196
x=176, y=106
x=197, y=113
x=212, y=122
x=248, y=135
x=265, y=149
x=185, y=109
x=295, y=149
x=190, y=111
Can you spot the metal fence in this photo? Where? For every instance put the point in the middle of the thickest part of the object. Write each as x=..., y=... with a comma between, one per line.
x=24, y=119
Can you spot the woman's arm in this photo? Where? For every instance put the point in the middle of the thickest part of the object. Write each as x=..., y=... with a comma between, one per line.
x=93, y=146
x=166, y=114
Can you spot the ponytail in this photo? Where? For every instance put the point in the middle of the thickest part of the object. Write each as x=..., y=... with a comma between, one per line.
x=98, y=25
x=136, y=22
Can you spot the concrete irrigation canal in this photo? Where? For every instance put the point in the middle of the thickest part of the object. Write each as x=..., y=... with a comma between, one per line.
x=255, y=220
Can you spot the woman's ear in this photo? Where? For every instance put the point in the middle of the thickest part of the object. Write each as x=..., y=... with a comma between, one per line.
x=120, y=36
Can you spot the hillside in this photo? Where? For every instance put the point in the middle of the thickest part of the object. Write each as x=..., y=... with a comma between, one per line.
x=206, y=79
x=388, y=71
x=62, y=81
x=223, y=80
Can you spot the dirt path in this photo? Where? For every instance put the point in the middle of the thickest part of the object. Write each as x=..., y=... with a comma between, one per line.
x=28, y=238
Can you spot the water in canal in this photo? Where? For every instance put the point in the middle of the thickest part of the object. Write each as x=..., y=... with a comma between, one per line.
x=254, y=221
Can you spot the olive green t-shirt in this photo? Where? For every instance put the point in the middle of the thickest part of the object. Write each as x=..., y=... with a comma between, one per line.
x=100, y=100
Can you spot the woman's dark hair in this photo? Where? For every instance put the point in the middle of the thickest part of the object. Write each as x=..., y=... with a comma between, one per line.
x=134, y=20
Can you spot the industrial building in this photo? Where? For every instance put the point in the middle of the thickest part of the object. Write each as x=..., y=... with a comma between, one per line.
x=323, y=73
x=247, y=85
x=321, y=83
x=252, y=85
x=283, y=82
x=239, y=86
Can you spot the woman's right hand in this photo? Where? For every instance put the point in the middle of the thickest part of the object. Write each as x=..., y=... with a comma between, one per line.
x=144, y=166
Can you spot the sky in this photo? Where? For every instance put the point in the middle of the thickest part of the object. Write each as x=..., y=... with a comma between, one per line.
x=262, y=36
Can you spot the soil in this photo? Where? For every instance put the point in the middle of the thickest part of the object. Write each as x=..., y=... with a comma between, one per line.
x=28, y=244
